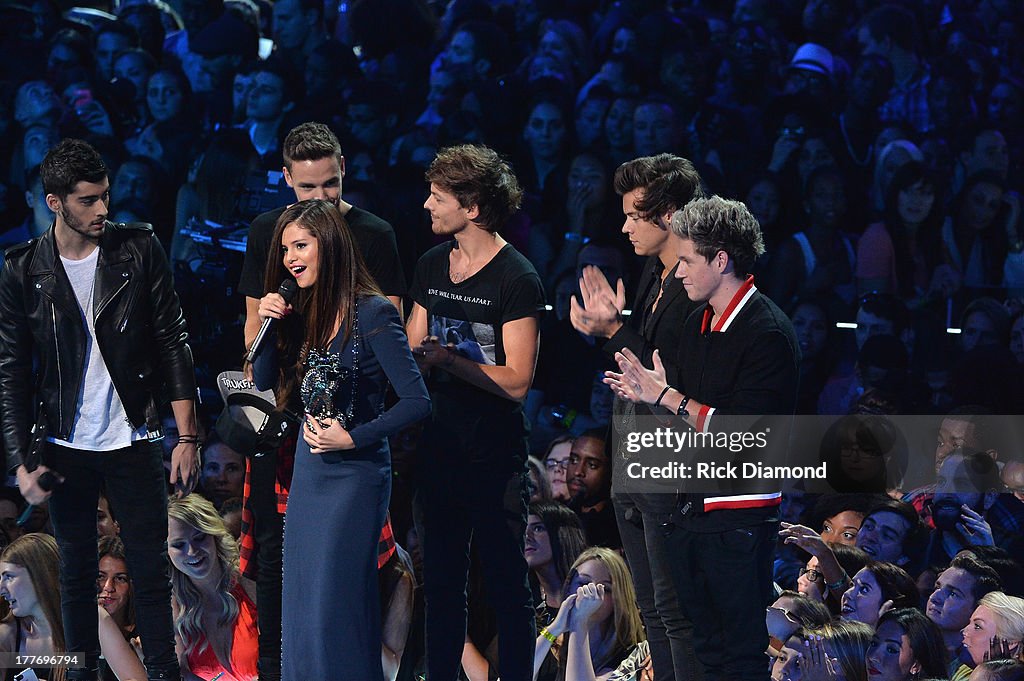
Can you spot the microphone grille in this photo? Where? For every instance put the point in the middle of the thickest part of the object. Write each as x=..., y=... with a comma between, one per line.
x=288, y=289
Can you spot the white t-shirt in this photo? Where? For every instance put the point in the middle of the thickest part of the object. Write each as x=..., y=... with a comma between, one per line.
x=100, y=421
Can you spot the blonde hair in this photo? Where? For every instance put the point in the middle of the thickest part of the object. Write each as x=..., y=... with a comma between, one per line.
x=629, y=628
x=199, y=513
x=37, y=553
x=1009, y=615
x=848, y=642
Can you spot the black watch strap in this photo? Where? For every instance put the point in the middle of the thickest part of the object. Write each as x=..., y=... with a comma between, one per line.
x=681, y=411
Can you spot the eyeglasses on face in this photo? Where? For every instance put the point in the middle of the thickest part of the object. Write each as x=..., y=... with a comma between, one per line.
x=812, y=574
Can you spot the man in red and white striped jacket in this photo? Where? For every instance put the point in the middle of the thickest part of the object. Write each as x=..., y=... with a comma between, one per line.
x=737, y=356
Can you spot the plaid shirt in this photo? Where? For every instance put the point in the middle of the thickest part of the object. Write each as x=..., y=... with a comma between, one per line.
x=285, y=466
x=908, y=103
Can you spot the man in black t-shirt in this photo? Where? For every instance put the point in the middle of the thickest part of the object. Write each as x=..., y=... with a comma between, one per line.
x=314, y=168
x=474, y=332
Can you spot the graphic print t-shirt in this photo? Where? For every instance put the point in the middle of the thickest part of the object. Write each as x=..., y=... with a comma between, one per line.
x=470, y=316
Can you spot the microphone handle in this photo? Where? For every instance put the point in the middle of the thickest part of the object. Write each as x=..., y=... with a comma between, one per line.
x=258, y=341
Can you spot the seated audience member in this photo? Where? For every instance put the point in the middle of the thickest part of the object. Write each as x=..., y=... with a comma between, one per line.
x=842, y=515
x=984, y=323
x=973, y=238
x=1011, y=573
x=791, y=612
x=900, y=254
x=876, y=589
x=968, y=509
x=819, y=260
x=816, y=333
x=34, y=625
x=998, y=670
x=223, y=474
x=811, y=581
x=906, y=646
x=866, y=454
x=891, y=532
x=554, y=540
x=11, y=506
x=556, y=463
x=106, y=525
x=598, y=620
x=996, y=630
x=539, y=483
x=963, y=429
x=207, y=589
x=590, y=481
x=1013, y=479
x=114, y=586
x=843, y=642
x=883, y=364
x=231, y=513
x=958, y=589
x=115, y=596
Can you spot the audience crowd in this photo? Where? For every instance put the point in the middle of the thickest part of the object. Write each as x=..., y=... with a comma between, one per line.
x=880, y=144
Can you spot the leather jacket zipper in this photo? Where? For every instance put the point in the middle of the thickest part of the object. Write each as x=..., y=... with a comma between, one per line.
x=60, y=382
x=106, y=304
x=127, y=311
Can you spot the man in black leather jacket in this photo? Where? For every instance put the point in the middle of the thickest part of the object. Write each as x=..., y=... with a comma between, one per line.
x=92, y=330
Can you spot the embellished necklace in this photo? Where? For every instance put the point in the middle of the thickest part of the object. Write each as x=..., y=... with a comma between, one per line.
x=325, y=376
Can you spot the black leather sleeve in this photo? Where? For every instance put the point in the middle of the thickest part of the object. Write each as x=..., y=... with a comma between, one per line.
x=170, y=332
x=15, y=364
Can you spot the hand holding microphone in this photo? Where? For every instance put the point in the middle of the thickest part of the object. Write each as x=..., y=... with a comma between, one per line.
x=272, y=306
x=36, y=486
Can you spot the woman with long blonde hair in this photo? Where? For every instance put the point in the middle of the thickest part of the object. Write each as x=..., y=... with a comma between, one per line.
x=214, y=607
x=598, y=621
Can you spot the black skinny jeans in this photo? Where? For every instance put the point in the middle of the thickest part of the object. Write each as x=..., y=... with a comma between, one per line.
x=456, y=504
x=133, y=478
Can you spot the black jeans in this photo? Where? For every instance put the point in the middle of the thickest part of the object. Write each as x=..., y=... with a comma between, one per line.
x=644, y=521
x=133, y=478
x=456, y=504
x=268, y=530
x=724, y=583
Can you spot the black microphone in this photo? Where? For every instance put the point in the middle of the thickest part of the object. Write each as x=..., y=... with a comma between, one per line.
x=287, y=291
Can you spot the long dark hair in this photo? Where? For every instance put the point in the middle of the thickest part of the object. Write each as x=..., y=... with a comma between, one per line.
x=564, y=532
x=924, y=637
x=342, y=277
x=113, y=547
x=896, y=584
x=992, y=238
x=928, y=238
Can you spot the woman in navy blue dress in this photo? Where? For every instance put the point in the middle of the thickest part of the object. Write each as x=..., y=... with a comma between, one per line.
x=338, y=347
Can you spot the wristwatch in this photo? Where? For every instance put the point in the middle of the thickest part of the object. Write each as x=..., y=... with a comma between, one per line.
x=681, y=411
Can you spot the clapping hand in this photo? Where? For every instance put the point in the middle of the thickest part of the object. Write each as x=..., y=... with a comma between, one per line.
x=600, y=314
x=636, y=383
